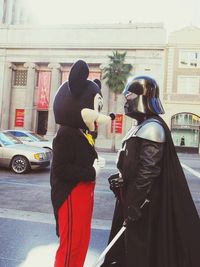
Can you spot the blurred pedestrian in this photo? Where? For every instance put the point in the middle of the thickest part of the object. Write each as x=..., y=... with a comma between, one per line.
x=182, y=143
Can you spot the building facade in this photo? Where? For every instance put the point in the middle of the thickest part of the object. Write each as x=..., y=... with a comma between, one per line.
x=182, y=88
x=34, y=61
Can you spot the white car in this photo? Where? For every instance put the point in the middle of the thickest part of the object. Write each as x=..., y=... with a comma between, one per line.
x=31, y=138
x=20, y=158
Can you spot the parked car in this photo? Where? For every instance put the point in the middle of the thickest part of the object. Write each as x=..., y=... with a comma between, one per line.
x=31, y=138
x=19, y=157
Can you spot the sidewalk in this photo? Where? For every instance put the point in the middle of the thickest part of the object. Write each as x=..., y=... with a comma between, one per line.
x=189, y=155
x=105, y=144
x=21, y=247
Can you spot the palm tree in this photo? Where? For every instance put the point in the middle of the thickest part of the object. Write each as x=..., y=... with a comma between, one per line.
x=116, y=74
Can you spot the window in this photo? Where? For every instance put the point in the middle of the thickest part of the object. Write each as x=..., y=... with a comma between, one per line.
x=189, y=59
x=21, y=136
x=188, y=85
x=20, y=77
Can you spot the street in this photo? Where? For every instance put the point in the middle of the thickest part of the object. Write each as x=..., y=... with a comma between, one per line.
x=27, y=226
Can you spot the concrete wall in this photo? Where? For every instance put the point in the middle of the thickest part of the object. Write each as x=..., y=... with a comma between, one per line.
x=185, y=39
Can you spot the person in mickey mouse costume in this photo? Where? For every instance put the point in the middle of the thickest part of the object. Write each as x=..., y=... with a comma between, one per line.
x=77, y=107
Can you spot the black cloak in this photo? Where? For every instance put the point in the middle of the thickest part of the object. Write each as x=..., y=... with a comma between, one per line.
x=170, y=222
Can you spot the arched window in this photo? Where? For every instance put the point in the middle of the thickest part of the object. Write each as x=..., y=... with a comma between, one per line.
x=185, y=129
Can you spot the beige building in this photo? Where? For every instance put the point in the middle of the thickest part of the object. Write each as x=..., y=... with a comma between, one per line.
x=182, y=87
x=34, y=61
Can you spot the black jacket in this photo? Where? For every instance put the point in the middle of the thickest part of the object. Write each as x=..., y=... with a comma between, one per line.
x=73, y=159
x=168, y=232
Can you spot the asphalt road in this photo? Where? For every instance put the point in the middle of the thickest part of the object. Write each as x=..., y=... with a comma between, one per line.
x=27, y=226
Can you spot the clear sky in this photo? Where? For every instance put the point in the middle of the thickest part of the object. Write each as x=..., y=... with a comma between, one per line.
x=175, y=14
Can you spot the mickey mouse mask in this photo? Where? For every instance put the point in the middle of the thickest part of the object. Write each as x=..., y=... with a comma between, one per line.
x=78, y=101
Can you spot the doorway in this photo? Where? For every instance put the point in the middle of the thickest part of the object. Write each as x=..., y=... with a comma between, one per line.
x=186, y=132
x=42, y=122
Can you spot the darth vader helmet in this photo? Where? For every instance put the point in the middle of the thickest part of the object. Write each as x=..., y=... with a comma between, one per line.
x=142, y=97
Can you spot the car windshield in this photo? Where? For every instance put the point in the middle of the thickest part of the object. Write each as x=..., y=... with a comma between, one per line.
x=37, y=137
x=27, y=136
x=7, y=139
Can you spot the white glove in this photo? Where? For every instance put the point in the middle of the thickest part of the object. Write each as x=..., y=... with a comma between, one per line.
x=98, y=163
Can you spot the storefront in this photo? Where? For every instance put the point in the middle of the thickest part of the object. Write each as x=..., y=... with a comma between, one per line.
x=32, y=89
x=185, y=128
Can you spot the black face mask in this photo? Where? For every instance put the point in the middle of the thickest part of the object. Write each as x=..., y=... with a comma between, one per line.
x=139, y=117
x=134, y=115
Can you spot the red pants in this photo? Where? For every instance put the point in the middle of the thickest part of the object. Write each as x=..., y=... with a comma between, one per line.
x=74, y=222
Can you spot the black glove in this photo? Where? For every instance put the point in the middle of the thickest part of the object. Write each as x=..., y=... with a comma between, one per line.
x=133, y=214
x=116, y=184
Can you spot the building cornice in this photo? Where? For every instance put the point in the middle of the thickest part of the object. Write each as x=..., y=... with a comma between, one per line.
x=111, y=36
x=86, y=46
x=85, y=26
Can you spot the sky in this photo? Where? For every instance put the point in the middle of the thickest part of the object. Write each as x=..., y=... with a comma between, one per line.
x=174, y=14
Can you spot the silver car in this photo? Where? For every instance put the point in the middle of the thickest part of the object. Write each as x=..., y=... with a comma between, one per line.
x=31, y=138
x=19, y=157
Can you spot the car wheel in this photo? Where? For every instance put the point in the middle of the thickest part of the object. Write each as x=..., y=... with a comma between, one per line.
x=20, y=164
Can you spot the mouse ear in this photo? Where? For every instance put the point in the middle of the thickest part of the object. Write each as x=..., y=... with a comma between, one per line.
x=98, y=82
x=78, y=77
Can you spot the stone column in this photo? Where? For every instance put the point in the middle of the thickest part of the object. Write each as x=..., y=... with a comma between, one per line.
x=55, y=83
x=16, y=13
x=7, y=96
x=9, y=10
x=1, y=11
x=29, y=99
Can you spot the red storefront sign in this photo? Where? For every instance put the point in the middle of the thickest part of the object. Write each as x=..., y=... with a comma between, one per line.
x=118, y=123
x=43, y=92
x=19, y=118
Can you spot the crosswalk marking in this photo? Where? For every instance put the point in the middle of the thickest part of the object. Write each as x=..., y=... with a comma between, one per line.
x=40, y=217
x=195, y=173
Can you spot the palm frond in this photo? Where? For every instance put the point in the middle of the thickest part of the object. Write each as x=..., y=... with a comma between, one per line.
x=117, y=72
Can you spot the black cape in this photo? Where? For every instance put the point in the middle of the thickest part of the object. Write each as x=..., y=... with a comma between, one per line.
x=172, y=222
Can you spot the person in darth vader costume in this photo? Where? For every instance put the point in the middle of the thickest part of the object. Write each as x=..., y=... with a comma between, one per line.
x=153, y=198
x=77, y=107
